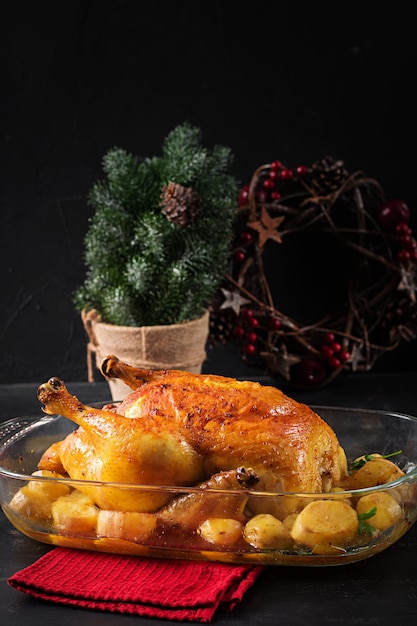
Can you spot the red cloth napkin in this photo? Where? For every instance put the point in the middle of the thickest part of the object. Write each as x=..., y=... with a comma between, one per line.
x=166, y=589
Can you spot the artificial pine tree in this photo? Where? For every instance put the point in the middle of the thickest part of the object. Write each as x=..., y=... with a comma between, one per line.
x=160, y=237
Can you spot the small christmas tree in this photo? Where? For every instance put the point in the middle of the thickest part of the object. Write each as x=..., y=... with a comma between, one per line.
x=160, y=238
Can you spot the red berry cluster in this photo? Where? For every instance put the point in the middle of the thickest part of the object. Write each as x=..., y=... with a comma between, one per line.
x=393, y=217
x=312, y=371
x=249, y=328
x=246, y=331
x=267, y=188
x=240, y=251
x=407, y=244
x=333, y=351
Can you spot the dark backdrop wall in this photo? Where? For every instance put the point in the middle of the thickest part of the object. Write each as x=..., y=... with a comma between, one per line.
x=272, y=80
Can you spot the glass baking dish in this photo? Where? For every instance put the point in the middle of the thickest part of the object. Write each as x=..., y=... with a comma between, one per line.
x=226, y=525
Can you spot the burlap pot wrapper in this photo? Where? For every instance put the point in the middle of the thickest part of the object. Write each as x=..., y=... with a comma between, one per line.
x=175, y=346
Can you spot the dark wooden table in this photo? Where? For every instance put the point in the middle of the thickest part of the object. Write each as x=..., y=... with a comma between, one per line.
x=380, y=590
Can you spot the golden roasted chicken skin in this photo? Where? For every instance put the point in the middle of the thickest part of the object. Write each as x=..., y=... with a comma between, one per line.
x=178, y=428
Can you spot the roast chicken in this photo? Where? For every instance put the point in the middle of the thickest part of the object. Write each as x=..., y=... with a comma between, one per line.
x=178, y=428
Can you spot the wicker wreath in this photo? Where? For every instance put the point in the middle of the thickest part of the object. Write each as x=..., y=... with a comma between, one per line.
x=339, y=227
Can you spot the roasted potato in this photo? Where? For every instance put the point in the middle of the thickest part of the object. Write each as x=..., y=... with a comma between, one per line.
x=324, y=523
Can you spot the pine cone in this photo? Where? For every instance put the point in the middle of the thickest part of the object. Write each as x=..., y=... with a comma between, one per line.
x=222, y=323
x=328, y=175
x=180, y=205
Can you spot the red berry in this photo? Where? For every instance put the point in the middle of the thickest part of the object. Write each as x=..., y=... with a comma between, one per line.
x=276, y=165
x=247, y=313
x=326, y=351
x=252, y=337
x=392, y=213
x=253, y=322
x=245, y=238
x=238, y=331
x=336, y=347
x=243, y=196
x=268, y=183
x=250, y=348
x=334, y=363
x=309, y=372
x=405, y=241
x=344, y=356
x=239, y=256
x=274, y=323
x=329, y=337
x=408, y=243
x=403, y=229
x=275, y=195
x=286, y=174
x=302, y=170
x=403, y=256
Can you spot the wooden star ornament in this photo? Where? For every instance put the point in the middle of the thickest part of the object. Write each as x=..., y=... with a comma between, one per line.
x=408, y=284
x=357, y=357
x=266, y=227
x=281, y=361
x=233, y=300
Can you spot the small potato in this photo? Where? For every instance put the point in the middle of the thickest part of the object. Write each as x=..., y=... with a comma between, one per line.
x=38, y=508
x=50, y=488
x=377, y=471
x=266, y=532
x=220, y=531
x=388, y=511
x=75, y=514
x=34, y=500
x=289, y=521
x=128, y=525
x=325, y=522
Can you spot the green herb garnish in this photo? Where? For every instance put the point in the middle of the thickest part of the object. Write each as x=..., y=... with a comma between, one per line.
x=369, y=457
x=363, y=526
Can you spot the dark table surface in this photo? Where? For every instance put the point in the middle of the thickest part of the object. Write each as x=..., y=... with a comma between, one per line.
x=379, y=590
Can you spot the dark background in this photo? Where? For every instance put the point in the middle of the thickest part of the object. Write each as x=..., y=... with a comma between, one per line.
x=271, y=80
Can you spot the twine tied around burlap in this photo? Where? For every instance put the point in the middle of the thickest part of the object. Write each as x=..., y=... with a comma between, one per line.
x=174, y=346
